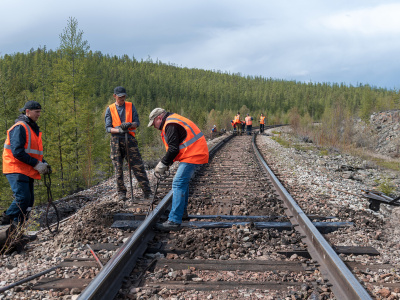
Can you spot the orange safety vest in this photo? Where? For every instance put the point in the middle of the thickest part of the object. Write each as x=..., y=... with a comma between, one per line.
x=237, y=119
x=248, y=121
x=262, y=120
x=193, y=149
x=128, y=116
x=33, y=146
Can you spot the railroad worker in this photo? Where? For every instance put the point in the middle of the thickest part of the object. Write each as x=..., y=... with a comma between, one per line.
x=213, y=131
x=238, y=123
x=122, y=117
x=184, y=142
x=234, y=126
x=249, y=124
x=262, y=123
x=23, y=162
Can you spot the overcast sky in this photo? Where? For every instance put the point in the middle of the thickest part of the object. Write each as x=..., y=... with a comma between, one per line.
x=348, y=42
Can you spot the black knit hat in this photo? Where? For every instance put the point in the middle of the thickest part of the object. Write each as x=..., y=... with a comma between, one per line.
x=31, y=105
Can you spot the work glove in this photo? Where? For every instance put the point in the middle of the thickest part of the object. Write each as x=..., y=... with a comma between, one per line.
x=161, y=168
x=120, y=130
x=42, y=168
x=124, y=126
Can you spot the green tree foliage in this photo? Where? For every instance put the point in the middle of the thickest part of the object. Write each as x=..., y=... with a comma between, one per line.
x=75, y=85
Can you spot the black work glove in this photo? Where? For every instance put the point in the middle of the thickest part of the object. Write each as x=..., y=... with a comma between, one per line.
x=125, y=126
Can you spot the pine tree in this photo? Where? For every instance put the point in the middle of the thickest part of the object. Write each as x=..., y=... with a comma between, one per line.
x=73, y=84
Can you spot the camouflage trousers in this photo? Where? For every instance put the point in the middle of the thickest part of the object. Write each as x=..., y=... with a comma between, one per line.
x=239, y=128
x=118, y=153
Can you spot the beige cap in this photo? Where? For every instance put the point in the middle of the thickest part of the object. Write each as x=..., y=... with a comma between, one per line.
x=154, y=114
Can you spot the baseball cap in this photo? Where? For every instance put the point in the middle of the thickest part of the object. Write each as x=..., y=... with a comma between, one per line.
x=31, y=105
x=120, y=91
x=154, y=114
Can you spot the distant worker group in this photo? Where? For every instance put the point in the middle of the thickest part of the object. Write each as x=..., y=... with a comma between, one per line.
x=239, y=125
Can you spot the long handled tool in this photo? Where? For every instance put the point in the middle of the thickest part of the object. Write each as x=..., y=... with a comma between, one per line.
x=159, y=179
x=129, y=164
x=50, y=204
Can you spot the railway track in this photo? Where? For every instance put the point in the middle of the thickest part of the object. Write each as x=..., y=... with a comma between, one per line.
x=232, y=184
x=245, y=237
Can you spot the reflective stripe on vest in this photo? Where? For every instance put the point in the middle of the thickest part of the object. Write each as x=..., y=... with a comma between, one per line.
x=28, y=149
x=193, y=139
x=13, y=165
x=116, y=121
x=188, y=151
x=248, y=121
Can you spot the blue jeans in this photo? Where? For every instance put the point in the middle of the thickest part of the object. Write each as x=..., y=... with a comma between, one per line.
x=180, y=188
x=22, y=187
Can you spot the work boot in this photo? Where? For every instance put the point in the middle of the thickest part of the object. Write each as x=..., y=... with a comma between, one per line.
x=168, y=226
x=122, y=197
x=147, y=195
x=5, y=219
x=185, y=216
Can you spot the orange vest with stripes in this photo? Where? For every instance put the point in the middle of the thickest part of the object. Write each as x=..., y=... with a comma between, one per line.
x=116, y=121
x=33, y=146
x=193, y=149
x=237, y=119
x=262, y=120
x=248, y=121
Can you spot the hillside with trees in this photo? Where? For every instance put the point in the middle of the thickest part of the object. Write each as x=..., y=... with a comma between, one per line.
x=75, y=85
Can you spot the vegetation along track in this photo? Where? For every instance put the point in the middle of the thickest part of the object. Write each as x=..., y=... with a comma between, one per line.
x=237, y=244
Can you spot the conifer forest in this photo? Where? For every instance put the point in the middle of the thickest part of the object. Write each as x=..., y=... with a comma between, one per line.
x=75, y=85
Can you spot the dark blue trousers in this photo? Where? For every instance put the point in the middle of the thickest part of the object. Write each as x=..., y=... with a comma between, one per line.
x=22, y=187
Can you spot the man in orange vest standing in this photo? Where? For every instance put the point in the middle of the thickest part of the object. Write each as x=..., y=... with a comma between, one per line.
x=238, y=123
x=122, y=117
x=185, y=143
x=249, y=124
x=23, y=162
x=262, y=123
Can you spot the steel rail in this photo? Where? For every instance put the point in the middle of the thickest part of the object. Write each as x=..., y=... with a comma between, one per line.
x=344, y=284
x=109, y=280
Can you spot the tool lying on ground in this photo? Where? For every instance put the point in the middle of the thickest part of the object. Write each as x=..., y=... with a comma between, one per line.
x=159, y=179
x=5, y=288
x=375, y=199
x=50, y=204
